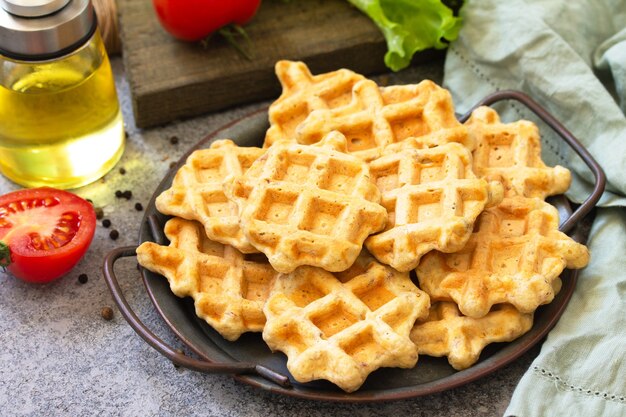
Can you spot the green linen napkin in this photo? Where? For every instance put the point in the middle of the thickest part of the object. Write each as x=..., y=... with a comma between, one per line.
x=570, y=56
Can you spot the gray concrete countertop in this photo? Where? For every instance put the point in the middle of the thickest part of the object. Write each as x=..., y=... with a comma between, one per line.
x=59, y=357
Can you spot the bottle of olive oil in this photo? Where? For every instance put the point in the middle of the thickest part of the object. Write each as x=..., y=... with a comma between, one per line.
x=60, y=122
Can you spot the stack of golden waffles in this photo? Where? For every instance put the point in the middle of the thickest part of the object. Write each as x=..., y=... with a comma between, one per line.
x=370, y=227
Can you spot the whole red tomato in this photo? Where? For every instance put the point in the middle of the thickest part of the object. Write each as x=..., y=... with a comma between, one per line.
x=193, y=20
x=44, y=232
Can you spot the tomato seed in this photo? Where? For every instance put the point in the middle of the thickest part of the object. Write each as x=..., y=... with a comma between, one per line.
x=114, y=234
x=82, y=278
x=107, y=313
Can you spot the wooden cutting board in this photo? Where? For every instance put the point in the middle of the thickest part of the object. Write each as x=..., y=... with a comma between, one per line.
x=170, y=79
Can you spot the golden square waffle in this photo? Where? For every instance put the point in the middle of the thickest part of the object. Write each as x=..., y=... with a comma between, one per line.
x=514, y=256
x=303, y=93
x=378, y=117
x=196, y=192
x=511, y=153
x=446, y=332
x=308, y=205
x=342, y=331
x=432, y=198
x=229, y=291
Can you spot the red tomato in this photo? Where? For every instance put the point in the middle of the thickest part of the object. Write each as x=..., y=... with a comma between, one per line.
x=193, y=20
x=46, y=230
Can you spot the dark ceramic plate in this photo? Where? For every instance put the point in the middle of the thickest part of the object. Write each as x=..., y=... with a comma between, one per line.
x=429, y=376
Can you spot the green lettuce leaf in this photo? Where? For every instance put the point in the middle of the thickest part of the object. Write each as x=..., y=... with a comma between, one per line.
x=410, y=26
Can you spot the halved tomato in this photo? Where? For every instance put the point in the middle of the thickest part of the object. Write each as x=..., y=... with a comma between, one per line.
x=47, y=231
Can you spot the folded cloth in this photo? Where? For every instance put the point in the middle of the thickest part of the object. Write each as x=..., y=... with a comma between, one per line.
x=570, y=56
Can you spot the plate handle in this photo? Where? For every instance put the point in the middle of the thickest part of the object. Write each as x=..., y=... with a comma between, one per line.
x=163, y=348
x=567, y=136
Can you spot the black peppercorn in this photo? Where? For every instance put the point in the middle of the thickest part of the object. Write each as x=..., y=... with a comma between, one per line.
x=99, y=213
x=138, y=206
x=82, y=278
x=118, y=194
x=114, y=234
x=106, y=223
x=174, y=140
x=107, y=313
x=127, y=194
x=122, y=171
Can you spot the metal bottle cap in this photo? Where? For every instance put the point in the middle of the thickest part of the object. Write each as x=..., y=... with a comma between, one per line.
x=33, y=8
x=43, y=29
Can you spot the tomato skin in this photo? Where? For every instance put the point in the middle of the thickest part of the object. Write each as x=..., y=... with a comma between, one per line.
x=41, y=265
x=193, y=20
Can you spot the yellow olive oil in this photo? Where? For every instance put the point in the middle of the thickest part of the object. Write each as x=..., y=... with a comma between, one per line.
x=60, y=121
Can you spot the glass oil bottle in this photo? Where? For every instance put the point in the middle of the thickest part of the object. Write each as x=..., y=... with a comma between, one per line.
x=60, y=121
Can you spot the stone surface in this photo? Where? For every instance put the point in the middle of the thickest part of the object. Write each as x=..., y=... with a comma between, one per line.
x=59, y=357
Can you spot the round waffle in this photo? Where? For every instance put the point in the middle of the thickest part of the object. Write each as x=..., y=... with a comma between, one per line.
x=303, y=93
x=378, y=117
x=514, y=255
x=511, y=153
x=342, y=329
x=229, y=291
x=432, y=199
x=196, y=192
x=446, y=332
x=308, y=205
